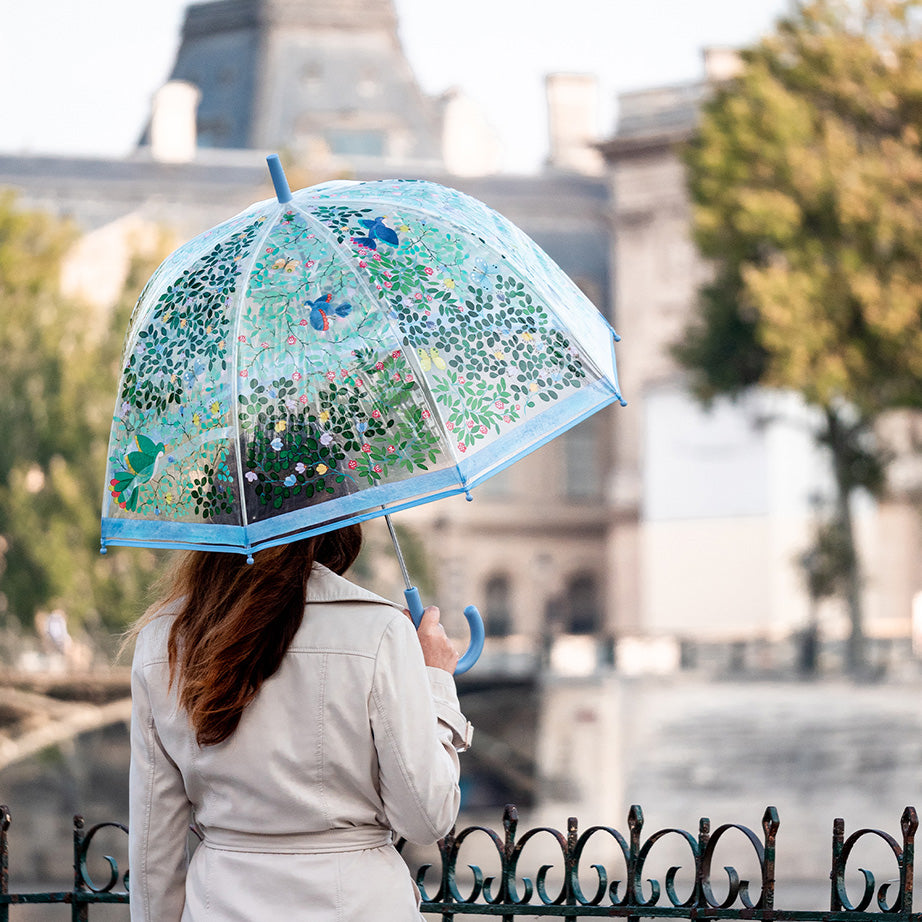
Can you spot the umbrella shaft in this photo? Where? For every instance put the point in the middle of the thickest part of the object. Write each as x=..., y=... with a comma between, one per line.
x=400, y=560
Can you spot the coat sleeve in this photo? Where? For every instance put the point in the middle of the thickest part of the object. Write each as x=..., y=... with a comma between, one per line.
x=159, y=814
x=418, y=728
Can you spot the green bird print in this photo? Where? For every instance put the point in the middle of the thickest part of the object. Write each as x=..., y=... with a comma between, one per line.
x=140, y=466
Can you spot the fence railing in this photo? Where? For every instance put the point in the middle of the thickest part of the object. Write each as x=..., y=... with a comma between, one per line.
x=578, y=891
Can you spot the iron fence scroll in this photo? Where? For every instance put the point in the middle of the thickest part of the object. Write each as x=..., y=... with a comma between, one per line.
x=635, y=892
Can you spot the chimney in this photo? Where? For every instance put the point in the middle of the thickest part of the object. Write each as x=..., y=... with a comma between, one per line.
x=573, y=118
x=469, y=144
x=172, y=125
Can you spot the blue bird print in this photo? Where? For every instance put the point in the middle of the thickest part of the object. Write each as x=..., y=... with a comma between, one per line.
x=377, y=230
x=320, y=316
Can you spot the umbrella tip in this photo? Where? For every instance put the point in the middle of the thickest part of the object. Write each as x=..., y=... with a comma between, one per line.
x=282, y=190
x=250, y=559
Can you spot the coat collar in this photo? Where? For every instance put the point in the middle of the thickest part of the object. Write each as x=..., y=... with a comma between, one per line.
x=325, y=586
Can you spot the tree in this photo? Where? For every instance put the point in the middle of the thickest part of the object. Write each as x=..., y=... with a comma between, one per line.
x=56, y=398
x=806, y=182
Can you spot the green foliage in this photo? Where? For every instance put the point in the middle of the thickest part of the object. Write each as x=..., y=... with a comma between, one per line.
x=56, y=397
x=806, y=182
x=806, y=178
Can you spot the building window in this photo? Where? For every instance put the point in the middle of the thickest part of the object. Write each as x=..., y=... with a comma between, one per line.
x=498, y=621
x=581, y=604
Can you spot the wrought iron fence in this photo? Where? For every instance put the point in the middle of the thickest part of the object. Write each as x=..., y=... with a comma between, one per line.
x=633, y=895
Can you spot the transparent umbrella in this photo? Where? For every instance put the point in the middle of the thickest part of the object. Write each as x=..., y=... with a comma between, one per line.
x=341, y=353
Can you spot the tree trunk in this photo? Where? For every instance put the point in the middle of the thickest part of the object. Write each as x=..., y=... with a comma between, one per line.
x=840, y=438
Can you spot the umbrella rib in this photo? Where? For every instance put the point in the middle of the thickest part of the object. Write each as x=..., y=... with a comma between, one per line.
x=271, y=219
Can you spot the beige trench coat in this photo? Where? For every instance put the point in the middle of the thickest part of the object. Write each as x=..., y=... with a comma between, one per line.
x=353, y=741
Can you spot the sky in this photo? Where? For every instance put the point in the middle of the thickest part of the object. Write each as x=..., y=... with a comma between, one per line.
x=78, y=77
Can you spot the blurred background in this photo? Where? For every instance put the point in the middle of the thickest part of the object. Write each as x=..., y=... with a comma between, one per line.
x=705, y=602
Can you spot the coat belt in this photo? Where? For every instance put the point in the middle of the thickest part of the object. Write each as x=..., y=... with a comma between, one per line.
x=344, y=839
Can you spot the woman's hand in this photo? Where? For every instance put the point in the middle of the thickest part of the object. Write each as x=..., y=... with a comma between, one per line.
x=437, y=648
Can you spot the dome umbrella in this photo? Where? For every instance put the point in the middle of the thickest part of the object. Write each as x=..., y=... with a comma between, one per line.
x=340, y=353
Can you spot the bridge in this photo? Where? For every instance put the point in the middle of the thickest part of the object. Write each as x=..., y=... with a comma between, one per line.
x=38, y=710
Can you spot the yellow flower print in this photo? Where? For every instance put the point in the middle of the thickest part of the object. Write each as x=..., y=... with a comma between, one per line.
x=324, y=416
x=449, y=284
x=168, y=499
x=196, y=419
x=533, y=387
x=215, y=408
x=281, y=426
x=322, y=469
x=499, y=354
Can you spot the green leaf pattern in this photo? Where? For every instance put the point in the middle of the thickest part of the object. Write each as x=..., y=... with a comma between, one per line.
x=331, y=349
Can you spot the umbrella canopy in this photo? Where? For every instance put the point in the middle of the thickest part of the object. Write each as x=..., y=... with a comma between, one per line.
x=336, y=354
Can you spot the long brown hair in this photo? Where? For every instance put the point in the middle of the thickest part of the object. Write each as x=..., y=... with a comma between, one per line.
x=235, y=621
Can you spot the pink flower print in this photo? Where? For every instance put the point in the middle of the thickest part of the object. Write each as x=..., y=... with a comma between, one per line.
x=303, y=322
x=377, y=286
x=366, y=448
x=264, y=345
x=470, y=424
x=462, y=379
x=397, y=377
x=376, y=257
x=303, y=398
x=296, y=376
x=379, y=366
x=391, y=448
x=388, y=285
x=241, y=338
x=418, y=295
x=449, y=425
x=387, y=273
x=426, y=414
x=462, y=446
x=507, y=418
x=428, y=297
x=377, y=468
x=244, y=373
x=358, y=382
x=428, y=270
x=309, y=264
x=310, y=236
x=353, y=464
x=500, y=405
x=408, y=378
x=331, y=376
x=395, y=354
x=292, y=340
x=376, y=414
x=483, y=430
x=363, y=264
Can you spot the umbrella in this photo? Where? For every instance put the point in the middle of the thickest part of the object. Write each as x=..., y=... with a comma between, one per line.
x=340, y=353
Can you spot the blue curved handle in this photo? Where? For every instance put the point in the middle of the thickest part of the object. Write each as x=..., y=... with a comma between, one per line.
x=475, y=647
x=474, y=622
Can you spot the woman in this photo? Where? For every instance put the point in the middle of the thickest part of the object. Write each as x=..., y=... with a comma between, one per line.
x=304, y=723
